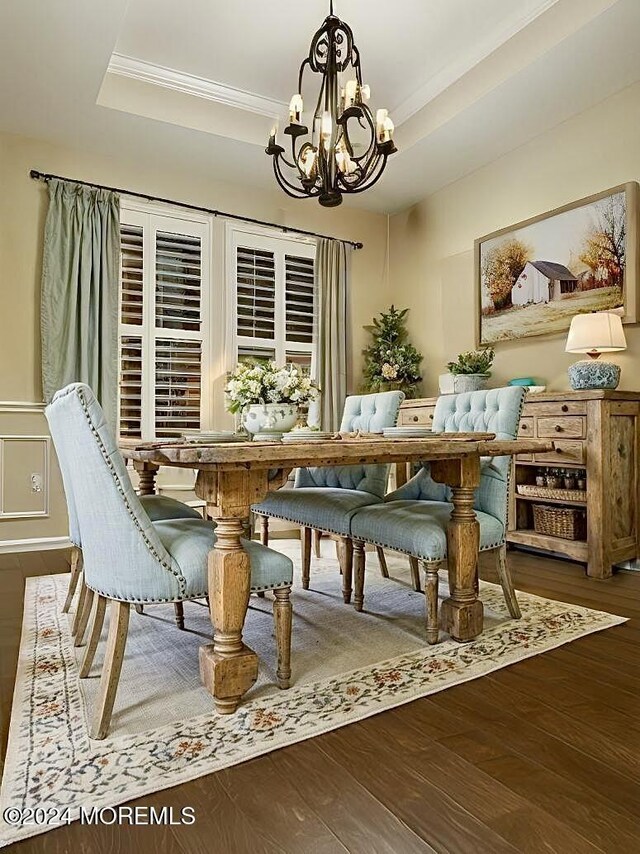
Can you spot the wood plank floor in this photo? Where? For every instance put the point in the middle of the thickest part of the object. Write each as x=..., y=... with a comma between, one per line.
x=543, y=756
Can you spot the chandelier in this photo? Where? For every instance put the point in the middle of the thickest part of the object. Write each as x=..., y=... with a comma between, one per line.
x=333, y=158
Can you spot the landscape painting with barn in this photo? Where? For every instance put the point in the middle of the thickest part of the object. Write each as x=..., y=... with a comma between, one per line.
x=535, y=276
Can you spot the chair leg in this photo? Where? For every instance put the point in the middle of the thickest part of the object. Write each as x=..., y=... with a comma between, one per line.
x=79, y=603
x=114, y=653
x=94, y=637
x=260, y=594
x=359, y=565
x=382, y=560
x=305, y=545
x=346, y=567
x=507, y=583
x=139, y=607
x=76, y=572
x=264, y=530
x=317, y=536
x=87, y=602
x=431, y=568
x=415, y=574
x=282, y=618
x=178, y=608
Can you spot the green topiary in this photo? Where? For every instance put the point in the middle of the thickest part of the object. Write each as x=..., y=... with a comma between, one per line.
x=390, y=362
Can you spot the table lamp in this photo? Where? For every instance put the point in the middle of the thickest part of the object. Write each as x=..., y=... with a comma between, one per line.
x=593, y=334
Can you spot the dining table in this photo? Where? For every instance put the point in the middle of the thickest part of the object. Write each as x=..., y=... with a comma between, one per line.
x=232, y=476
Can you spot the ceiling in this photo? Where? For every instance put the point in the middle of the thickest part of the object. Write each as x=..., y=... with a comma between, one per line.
x=196, y=84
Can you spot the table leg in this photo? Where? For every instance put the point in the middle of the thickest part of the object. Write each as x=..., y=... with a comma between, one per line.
x=228, y=668
x=147, y=477
x=462, y=611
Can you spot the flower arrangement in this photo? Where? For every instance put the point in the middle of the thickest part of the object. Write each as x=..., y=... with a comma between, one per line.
x=264, y=382
x=390, y=361
x=473, y=362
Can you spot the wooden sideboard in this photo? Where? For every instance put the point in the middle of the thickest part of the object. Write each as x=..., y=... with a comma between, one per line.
x=597, y=432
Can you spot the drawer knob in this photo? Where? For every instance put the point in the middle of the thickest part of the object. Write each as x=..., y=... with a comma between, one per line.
x=415, y=418
x=558, y=428
x=559, y=451
x=524, y=427
x=431, y=417
x=564, y=407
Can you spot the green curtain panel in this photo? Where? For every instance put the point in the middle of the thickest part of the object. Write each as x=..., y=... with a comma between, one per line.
x=333, y=260
x=80, y=280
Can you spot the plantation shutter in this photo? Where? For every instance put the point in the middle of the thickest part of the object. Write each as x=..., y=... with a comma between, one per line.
x=163, y=325
x=256, y=293
x=299, y=299
x=274, y=296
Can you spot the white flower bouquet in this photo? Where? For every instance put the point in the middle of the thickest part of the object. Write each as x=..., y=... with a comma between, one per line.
x=265, y=382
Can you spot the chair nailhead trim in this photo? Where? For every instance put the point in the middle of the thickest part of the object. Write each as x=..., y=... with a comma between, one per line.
x=182, y=582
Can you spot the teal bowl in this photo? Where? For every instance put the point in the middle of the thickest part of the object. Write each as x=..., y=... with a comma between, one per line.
x=522, y=381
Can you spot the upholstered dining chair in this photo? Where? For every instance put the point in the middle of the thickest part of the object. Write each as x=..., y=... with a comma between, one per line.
x=130, y=559
x=414, y=518
x=325, y=498
x=157, y=507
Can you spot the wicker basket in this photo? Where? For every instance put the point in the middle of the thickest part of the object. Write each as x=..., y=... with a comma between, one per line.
x=568, y=523
x=549, y=492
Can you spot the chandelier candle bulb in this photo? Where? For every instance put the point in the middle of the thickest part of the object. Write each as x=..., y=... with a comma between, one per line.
x=295, y=110
x=350, y=92
x=365, y=92
x=326, y=128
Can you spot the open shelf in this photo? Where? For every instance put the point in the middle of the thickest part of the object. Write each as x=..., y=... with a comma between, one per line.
x=576, y=549
x=559, y=501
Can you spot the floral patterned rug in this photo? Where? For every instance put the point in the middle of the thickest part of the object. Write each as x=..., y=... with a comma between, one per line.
x=53, y=770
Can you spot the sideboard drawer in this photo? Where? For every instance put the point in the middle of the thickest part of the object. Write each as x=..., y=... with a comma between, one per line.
x=527, y=427
x=566, y=451
x=571, y=426
x=421, y=417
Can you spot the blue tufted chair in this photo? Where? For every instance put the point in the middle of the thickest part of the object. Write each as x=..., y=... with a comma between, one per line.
x=157, y=507
x=128, y=558
x=414, y=518
x=324, y=499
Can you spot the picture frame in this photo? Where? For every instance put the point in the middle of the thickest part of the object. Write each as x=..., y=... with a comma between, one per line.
x=593, y=266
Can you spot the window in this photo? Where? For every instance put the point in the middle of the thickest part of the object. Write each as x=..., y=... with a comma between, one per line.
x=178, y=331
x=163, y=324
x=273, y=292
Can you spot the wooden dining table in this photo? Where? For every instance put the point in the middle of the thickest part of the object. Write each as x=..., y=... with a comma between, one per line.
x=233, y=476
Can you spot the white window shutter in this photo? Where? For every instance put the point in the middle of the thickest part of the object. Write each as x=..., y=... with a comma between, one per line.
x=299, y=299
x=255, y=293
x=131, y=386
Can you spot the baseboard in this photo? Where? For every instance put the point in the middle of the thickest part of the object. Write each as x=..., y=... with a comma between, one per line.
x=37, y=544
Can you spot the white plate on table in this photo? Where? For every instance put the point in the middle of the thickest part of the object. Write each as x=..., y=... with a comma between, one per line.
x=213, y=437
x=307, y=436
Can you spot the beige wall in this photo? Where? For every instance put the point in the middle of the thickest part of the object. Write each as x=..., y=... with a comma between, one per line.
x=22, y=211
x=431, y=246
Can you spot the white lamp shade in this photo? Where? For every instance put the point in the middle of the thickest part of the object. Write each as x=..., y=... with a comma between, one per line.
x=600, y=332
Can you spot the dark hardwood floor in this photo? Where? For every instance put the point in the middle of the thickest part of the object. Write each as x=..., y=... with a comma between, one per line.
x=542, y=756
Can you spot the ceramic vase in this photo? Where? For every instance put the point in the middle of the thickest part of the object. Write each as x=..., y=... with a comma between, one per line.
x=272, y=418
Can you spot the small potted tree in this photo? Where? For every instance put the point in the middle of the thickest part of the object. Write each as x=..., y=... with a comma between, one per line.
x=471, y=370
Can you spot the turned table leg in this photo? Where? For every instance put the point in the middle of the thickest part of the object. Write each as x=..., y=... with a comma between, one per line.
x=462, y=612
x=147, y=477
x=228, y=668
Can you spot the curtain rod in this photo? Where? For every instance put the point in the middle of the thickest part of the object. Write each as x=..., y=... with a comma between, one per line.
x=45, y=176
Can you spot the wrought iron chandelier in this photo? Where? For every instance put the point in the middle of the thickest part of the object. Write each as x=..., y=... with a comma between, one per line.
x=332, y=160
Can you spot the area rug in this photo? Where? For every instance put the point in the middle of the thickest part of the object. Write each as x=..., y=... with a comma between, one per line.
x=346, y=667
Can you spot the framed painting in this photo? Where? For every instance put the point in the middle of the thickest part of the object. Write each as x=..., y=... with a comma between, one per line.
x=534, y=276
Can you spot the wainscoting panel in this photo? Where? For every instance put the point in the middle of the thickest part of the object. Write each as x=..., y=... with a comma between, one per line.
x=33, y=511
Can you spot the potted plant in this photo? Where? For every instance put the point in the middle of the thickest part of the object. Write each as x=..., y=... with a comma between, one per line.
x=391, y=362
x=471, y=369
x=268, y=396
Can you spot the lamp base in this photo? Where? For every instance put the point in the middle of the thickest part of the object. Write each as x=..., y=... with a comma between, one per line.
x=592, y=373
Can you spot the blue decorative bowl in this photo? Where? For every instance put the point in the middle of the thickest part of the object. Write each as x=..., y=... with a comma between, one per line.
x=522, y=381
x=592, y=373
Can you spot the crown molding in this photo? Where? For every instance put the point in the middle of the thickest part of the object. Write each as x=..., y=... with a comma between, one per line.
x=453, y=72
x=190, y=84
